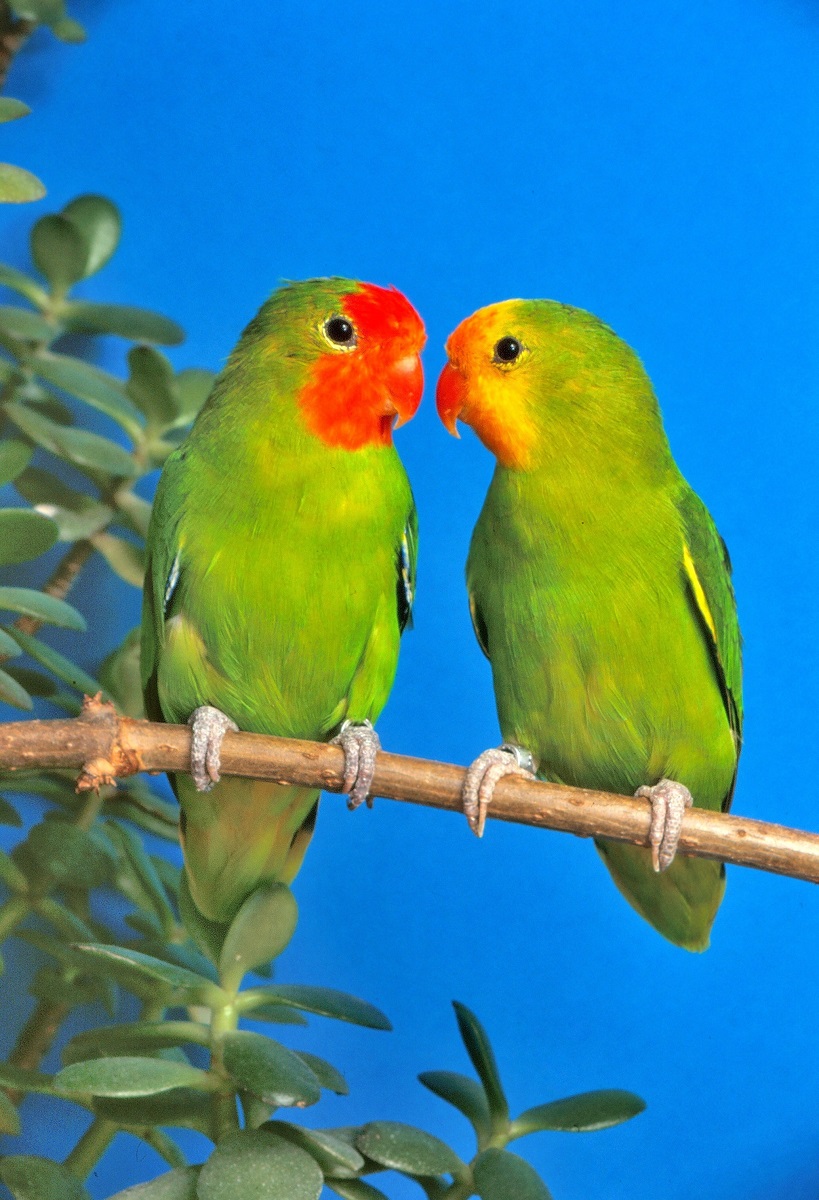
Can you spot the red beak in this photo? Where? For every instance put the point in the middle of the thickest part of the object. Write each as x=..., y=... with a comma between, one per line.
x=405, y=384
x=450, y=397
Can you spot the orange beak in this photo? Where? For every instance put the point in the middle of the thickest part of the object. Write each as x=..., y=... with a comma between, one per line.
x=450, y=397
x=405, y=385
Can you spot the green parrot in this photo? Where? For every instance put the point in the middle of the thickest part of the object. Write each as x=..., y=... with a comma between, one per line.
x=281, y=569
x=601, y=592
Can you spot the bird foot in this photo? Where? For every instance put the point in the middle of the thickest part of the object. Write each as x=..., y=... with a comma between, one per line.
x=669, y=800
x=360, y=744
x=209, y=726
x=483, y=775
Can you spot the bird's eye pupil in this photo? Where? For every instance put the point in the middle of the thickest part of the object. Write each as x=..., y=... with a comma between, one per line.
x=340, y=331
x=507, y=349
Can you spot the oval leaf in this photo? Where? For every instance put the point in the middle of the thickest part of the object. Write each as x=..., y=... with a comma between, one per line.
x=30, y=1178
x=355, y=1189
x=583, y=1113
x=126, y=1078
x=77, y=446
x=18, y=281
x=405, y=1148
x=99, y=223
x=26, y=325
x=13, y=693
x=334, y=1156
x=19, y=186
x=96, y=387
x=259, y=1164
x=131, y=968
x=24, y=535
x=45, y=608
x=325, y=1002
x=123, y=557
x=112, y=1040
x=9, y=1116
x=500, y=1175
x=479, y=1049
x=175, y=1185
x=462, y=1093
x=59, y=250
x=258, y=933
x=193, y=386
x=269, y=1070
x=70, y=855
x=138, y=324
x=182, y=1107
x=152, y=385
x=11, y=110
x=327, y=1075
x=14, y=458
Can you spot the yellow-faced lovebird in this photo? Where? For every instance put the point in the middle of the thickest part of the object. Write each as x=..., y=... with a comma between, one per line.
x=600, y=590
x=281, y=568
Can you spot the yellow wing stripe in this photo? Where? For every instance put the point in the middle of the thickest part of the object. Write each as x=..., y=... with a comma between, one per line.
x=699, y=594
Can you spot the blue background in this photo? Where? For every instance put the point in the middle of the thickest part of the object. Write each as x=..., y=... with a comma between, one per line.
x=656, y=165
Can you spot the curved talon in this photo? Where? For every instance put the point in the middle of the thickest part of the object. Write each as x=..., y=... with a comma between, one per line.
x=209, y=726
x=669, y=800
x=483, y=775
x=360, y=744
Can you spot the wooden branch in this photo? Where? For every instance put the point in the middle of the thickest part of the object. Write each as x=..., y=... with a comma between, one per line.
x=104, y=746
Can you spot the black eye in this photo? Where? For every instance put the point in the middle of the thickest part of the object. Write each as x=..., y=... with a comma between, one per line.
x=340, y=330
x=507, y=349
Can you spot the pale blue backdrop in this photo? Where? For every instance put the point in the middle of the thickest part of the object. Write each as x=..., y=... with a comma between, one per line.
x=657, y=165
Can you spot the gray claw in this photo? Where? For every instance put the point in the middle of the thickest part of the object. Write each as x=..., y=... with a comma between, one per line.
x=669, y=800
x=483, y=775
x=360, y=744
x=209, y=726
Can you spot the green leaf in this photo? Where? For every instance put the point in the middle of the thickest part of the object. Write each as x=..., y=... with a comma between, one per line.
x=45, y=12
x=59, y=250
x=99, y=223
x=45, y=608
x=355, y=1189
x=165, y=1147
x=405, y=1148
x=278, y=1014
x=152, y=385
x=208, y=935
x=67, y=924
x=183, y=1108
x=35, y=683
x=11, y=110
x=75, y=526
x=26, y=1081
x=9, y=814
x=96, y=387
x=175, y=1185
x=54, y=986
x=120, y=676
x=77, y=446
x=142, y=973
x=479, y=1049
x=137, y=512
x=583, y=1113
x=24, y=535
x=327, y=1075
x=8, y=646
x=72, y=857
x=326, y=1002
x=145, y=872
x=12, y=876
x=138, y=324
x=30, y=1178
x=258, y=933
x=133, y=1037
x=70, y=31
x=42, y=487
x=11, y=692
x=9, y=1116
x=334, y=1156
x=123, y=557
x=18, y=281
x=193, y=386
x=57, y=663
x=14, y=458
x=126, y=1078
x=19, y=186
x=462, y=1093
x=257, y=1163
x=269, y=1070
x=154, y=815
x=500, y=1175
x=26, y=325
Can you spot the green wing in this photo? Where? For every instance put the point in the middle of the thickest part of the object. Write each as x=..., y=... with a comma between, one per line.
x=707, y=570
x=161, y=577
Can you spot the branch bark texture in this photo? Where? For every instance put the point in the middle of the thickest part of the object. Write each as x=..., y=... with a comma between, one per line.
x=103, y=746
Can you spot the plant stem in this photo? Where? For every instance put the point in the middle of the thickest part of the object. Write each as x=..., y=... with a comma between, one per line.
x=224, y=1118
x=15, y=909
x=91, y=1147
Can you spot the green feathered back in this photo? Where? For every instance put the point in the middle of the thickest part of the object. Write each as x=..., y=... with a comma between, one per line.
x=601, y=592
x=276, y=590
